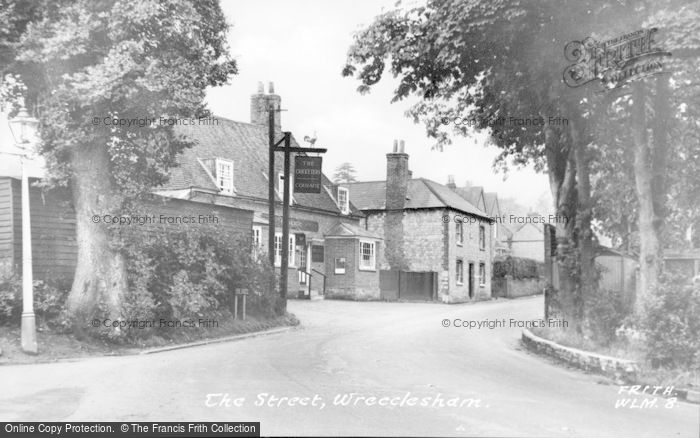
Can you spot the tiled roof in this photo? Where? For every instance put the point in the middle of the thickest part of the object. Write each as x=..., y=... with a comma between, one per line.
x=474, y=195
x=421, y=193
x=538, y=226
x=491, y=201
x=246, y=145
x=342, y=229
x=369, y=195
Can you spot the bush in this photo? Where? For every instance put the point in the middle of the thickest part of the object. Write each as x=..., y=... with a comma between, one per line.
x=605, y=313
x=255, y=274
x=49, y=302
x=10, y=299
x=671, y=324
x=193, y=272
x=517, y=267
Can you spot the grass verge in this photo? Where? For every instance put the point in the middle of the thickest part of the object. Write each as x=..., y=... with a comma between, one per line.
x=57, y=346
x=678, y=377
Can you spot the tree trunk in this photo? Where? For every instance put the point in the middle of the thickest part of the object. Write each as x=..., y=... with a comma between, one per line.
x=587, y=280
x=562, y=176
x=100, y=276
x=649, y=260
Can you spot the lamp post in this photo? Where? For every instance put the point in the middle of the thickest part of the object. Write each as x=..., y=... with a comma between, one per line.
x=23, y=127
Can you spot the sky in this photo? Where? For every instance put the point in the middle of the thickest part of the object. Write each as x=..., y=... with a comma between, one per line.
x=301, y=46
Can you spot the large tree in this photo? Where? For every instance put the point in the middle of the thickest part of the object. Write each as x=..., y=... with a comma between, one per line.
x=492, y=61
x=87, y=63
x=501, y=59
x=648, y=160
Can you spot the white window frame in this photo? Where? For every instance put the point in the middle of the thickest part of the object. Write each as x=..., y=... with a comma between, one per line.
x=280, y=187
x=278, y=250
x=292, y=250
x=459, y=232
x=344, y=205
x=482, y=237
x=338, y=270
x=225, y=185
x=373, y=262
x=482, y=274
x=459, y=272
x=257, y=239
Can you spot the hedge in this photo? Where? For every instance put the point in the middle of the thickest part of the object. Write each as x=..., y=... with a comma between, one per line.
x=517, y=267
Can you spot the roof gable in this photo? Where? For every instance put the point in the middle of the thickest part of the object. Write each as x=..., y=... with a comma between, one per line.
x=474, y=195
x=343, y=229
x=529, y=229
x=491, y=202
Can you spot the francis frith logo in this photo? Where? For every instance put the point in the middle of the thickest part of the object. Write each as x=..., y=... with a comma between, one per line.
x=615, y=61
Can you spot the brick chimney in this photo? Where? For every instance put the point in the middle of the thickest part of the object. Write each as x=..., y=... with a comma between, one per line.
x=261, y=102
x=451, y=182
x=397, y=178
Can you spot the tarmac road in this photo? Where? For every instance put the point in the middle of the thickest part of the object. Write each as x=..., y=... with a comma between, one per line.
x=410, y=376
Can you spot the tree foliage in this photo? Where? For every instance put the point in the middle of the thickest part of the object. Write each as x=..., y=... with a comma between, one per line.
x=89, y=67
x=491, y=61
x=82, y=60
x=344, y=173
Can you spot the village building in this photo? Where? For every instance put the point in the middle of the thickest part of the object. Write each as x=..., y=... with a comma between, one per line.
x=440, y=244
x=224, y=175
x=488, y=203
x=527, y=241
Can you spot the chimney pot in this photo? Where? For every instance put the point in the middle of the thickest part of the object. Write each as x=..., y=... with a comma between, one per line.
x=396, y=146
x=401, y=146
x=261, y=89
x=271, y=87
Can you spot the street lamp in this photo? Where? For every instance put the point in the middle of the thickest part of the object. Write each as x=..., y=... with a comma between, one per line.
x=23, y=127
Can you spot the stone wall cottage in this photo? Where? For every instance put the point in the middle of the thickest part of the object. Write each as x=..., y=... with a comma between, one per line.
x=428, y=228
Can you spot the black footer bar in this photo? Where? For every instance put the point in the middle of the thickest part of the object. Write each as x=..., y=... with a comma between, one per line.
x=130, y=429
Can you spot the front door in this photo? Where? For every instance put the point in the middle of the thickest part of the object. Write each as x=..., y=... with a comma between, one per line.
x=302, y=254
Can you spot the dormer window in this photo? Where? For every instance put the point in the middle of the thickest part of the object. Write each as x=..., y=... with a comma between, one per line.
x=224, y=176
x=344, y=200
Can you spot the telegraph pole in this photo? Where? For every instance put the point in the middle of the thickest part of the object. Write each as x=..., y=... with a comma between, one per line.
x=285, y=222
x=288, y=149
x=276, y=146
x=271, y=188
